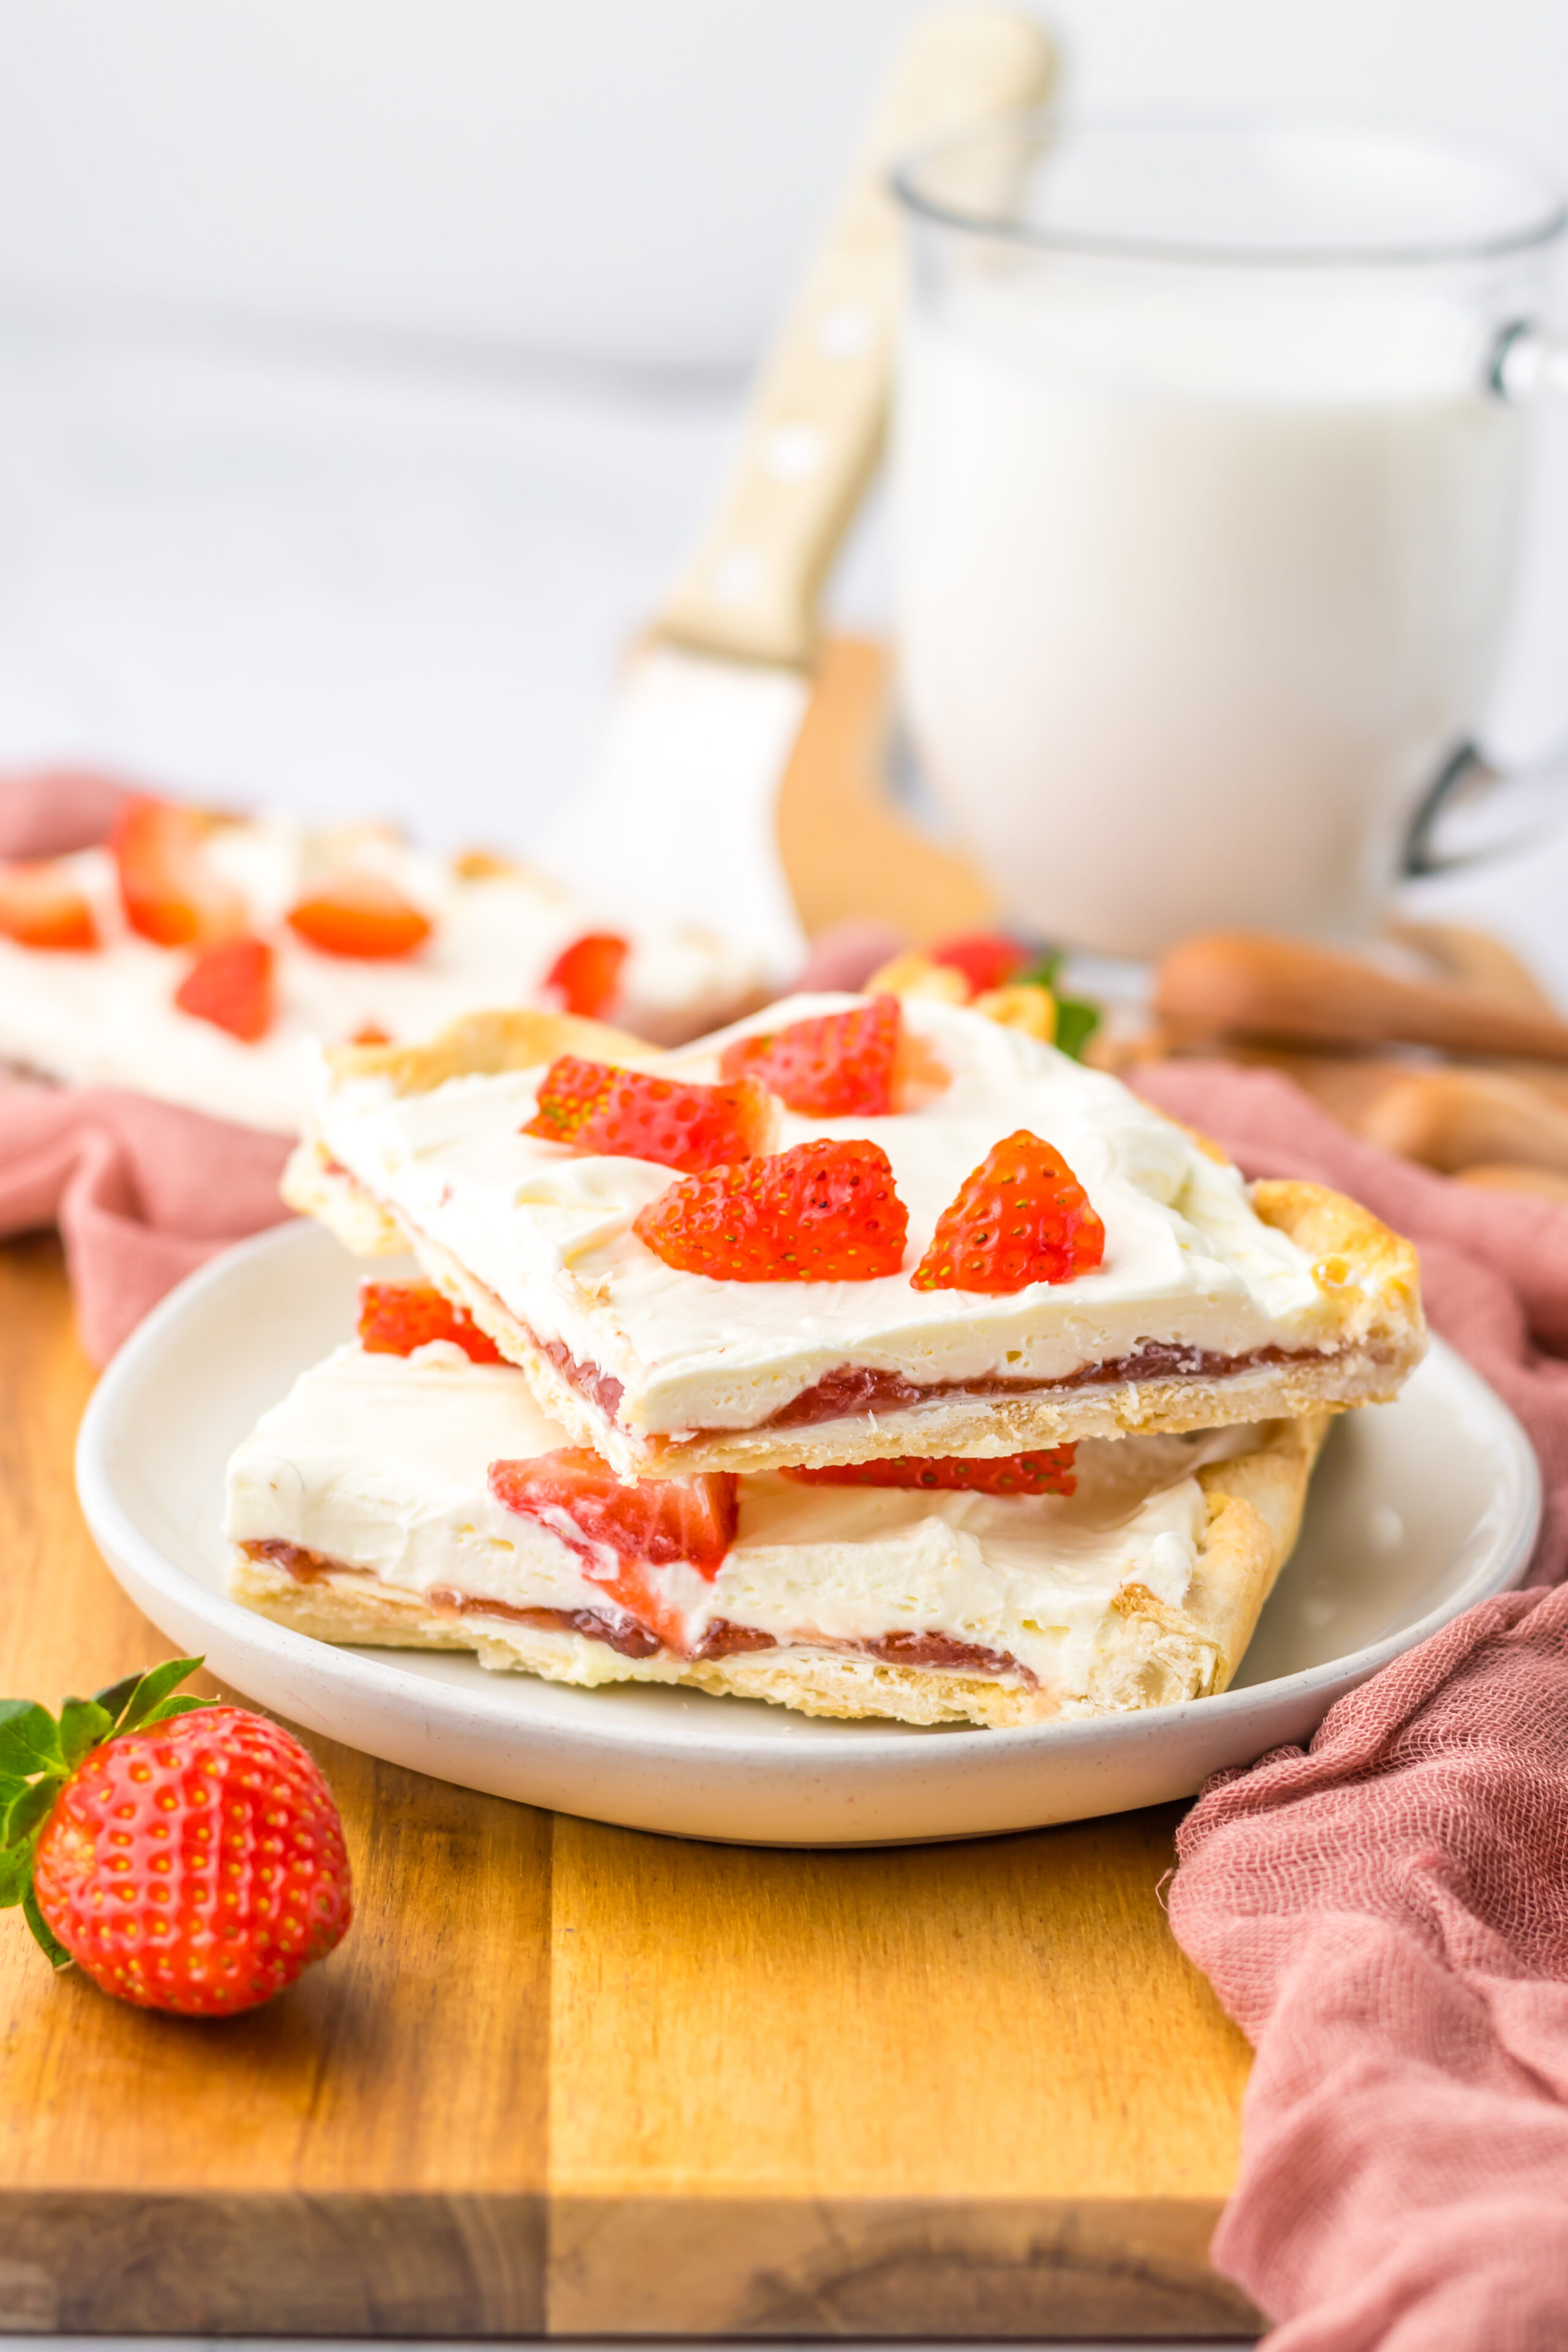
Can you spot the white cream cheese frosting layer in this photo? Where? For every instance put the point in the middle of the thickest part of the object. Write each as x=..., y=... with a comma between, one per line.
x=380, y=1462
x=548, y=1232
x=107, y=1017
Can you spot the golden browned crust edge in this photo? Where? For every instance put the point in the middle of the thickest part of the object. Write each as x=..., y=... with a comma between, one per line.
x=1150, y=1654
x=1371, y=1275
x=1255, y=1502
x=481, y=1044
x=311, y=1185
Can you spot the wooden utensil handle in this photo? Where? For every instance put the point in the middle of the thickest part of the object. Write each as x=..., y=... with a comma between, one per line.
x=1254, y=985
x=1455, y=1120
x=813, y=429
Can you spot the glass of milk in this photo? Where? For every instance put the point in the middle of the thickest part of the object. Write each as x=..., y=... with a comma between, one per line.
x=1208, y=453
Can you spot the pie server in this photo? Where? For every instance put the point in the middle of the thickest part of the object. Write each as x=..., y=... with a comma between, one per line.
x=677, y=820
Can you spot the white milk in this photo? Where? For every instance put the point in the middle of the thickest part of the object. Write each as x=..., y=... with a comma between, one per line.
x=1197, y=586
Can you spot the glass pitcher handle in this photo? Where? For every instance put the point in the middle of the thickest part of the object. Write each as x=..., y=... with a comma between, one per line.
x=1526, y=361
x=1473, y=811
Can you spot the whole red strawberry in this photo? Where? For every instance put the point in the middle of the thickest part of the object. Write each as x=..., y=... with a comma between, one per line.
x=1021, y=1217
x=825, y=1211
x=834, y=1065
x=185, y=1854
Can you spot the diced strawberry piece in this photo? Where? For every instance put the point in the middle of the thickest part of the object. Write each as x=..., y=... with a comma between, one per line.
x=835, y=1066
x=170, y=890
x=586, y=975
x=371, y=1033
x=1021, y=1217
x=1047, y=1473
x=361, y=915
x=395, y=1318
x=986, y=958
x=579, y=1498
x=825, y=1212
x=231, y=986
x=40, y=907
x=640, y=1114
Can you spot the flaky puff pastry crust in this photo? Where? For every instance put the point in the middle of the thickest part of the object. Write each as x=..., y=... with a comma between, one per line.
x=1368, y=1278
x=1146, y=1653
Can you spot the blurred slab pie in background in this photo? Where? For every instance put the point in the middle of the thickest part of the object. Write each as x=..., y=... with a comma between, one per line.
x=193, y=956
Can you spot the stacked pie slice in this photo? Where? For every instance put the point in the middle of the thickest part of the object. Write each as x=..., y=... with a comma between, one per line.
x=870, y=1357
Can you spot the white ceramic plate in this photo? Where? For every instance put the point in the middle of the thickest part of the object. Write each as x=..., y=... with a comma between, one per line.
x=1418, y=1509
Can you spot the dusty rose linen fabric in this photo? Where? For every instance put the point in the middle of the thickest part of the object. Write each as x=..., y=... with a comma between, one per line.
x=1385, y=1916
x=50, y=811
x=143, y=1193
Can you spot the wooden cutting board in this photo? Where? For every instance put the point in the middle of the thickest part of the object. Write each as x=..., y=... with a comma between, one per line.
x=574, y=2080
x=564, y=2079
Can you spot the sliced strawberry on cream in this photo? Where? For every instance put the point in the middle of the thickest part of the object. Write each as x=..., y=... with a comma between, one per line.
x=232, y=985
x=596, y=1107
x=360, y=915
x=835, y=1066
x=586, y=975
x=172, y=891
x=1021, y=1217
x=609, y=1522
x=395, y=1318
x=986, y=958
x=41, y=907
x=825, y=1212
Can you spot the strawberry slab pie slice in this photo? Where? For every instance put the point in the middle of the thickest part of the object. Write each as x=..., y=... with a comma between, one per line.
x=423, y=1501
x=194, y=955
x=1017, y=1253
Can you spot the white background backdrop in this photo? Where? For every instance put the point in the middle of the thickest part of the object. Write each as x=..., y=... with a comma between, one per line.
x=364, y=364
x=626, y=180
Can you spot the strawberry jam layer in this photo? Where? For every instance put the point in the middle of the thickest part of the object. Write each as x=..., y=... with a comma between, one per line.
x=858, y=1388
x=624, y=1634
x=600, y=1388
x=855, y=1388
x=618, y=1632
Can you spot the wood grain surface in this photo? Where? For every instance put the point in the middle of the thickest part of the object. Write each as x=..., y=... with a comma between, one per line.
x=847, y=850
x=568, y=2079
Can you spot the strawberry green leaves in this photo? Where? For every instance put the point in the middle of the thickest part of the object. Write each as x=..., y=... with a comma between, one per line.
x=38, y=1754
x=150, y=1700
x=1077, y=1019
x=29, y=1739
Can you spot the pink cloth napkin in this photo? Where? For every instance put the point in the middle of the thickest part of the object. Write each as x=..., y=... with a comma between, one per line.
x=1386, y=1914
x=51, y=811
x=142, y=1192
